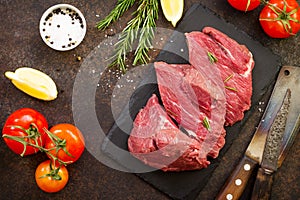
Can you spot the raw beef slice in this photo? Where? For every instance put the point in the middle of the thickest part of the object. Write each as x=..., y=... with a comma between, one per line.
x=235, y=63
x=157, y=141
x=190, y=99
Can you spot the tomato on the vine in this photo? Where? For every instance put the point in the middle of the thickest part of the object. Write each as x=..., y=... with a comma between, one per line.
x=22, y=127
x=66, y=143
x=244, y=5
x=280, y=18
x=51, y=178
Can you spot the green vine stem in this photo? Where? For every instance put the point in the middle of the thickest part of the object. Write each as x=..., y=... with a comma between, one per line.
x=283, y=16
x=53, y=172
x=34, y=134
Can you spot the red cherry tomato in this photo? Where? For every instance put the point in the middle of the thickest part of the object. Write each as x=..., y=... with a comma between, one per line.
x=280, y=18
x=24, y=125
x=67, y=143
x=244, y=5
x=51, y=179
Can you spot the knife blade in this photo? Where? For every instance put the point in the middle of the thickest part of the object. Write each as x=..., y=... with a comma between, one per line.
x=236, y=183
x=279, y=140
x=269, y=164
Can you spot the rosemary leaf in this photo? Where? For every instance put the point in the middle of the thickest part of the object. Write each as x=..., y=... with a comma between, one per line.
x=228, y=78
x=115, y=14
x=212, y=57
x=231, y=88
x=206, y=123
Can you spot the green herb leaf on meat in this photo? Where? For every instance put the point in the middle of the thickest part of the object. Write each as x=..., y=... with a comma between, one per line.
x=206, y=123
x=212, y=58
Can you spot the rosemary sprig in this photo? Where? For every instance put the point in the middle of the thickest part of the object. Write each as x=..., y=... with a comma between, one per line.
x=146, y=34
x=115, y=14
x=139, y=29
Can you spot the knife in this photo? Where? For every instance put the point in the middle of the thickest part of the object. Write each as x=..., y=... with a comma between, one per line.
x=236, y=183
x=264, y=178
x=279, y=139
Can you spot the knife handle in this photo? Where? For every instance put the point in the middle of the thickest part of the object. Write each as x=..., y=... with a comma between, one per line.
x=262, y=186
x=236, y=183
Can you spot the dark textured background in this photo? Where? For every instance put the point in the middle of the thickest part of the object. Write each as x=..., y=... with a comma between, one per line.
x=21, y=45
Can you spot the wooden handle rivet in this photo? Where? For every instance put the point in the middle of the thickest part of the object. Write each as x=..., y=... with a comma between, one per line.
x=229, y=196
x=238, y=182
x=247, y=167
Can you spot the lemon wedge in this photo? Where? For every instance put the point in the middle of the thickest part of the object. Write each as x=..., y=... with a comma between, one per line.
x=172, y=10
x=34, y=83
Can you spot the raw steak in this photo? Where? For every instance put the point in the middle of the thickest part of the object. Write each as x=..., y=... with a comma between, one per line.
x=158, y=142
x=212, y=91
x=189, y=98
x=235, y=63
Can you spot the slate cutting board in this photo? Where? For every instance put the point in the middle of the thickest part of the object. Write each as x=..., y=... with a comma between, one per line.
x=186, y=185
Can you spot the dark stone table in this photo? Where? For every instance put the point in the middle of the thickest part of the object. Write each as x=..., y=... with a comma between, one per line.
x=21, y=45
